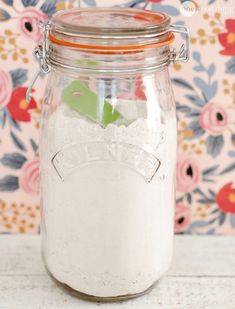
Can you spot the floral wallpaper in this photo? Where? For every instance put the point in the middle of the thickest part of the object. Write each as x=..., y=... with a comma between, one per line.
x=205, y=99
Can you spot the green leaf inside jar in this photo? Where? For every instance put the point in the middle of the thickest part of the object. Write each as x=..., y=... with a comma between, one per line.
x=80, y=98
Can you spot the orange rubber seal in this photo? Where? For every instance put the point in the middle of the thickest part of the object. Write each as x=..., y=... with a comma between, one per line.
x=112, y=48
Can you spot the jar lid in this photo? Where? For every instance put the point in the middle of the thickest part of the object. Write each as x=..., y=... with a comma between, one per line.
x=110, y=28
x=107, y=31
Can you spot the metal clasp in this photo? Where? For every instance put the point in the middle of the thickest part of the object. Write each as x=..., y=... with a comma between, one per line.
x=40, y=53
x=183, y=54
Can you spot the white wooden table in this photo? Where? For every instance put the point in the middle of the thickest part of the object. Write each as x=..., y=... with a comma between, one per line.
x=202, y=277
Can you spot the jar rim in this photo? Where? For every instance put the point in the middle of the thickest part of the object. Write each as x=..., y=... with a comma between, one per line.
x=103, y=21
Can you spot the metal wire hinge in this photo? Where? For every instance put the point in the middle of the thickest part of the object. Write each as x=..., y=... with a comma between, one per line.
x=183, y=54
x=41, y=55
x=41, y=52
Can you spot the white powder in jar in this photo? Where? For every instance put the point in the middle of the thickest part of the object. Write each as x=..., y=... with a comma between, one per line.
x=107, y=227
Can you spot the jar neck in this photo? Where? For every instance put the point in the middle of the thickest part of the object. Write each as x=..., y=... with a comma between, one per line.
x=74, y=59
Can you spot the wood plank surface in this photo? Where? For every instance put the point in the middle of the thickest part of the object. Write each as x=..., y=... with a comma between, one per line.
x=202, y=276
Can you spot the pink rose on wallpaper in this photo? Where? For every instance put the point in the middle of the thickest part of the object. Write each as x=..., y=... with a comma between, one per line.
x=188, y=174
x=29, y=178
x=227, y=39
x=225, y=198
x=6, y=87
x=140, y=89
x=28, y=23
x=182, y=217
x=214, y=118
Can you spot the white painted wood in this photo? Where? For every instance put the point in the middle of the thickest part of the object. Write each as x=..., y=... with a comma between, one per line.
x=20, y=254
x=193, y=255
x=204, y=255
x=202, y=276
x=34, y=292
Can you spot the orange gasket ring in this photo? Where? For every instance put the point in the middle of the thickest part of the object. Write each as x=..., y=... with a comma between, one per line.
x=112, y=48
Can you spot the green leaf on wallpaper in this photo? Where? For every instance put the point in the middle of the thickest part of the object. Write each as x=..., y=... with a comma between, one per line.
x=80, y=98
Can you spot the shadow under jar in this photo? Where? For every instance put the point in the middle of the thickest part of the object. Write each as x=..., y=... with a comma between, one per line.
x=108, y=150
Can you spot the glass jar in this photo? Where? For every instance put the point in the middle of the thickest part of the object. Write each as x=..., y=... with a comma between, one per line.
x=108, y=150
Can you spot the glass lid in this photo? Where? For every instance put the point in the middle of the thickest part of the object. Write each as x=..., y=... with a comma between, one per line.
x=110, y=22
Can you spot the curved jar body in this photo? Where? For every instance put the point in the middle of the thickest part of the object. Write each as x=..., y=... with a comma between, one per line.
x=108, y=155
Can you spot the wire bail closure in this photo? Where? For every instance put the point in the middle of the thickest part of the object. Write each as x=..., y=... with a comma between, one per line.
x=41, y=52
x=183, y=54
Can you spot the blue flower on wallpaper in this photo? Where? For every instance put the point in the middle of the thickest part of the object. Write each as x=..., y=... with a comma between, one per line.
x=206, y=117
